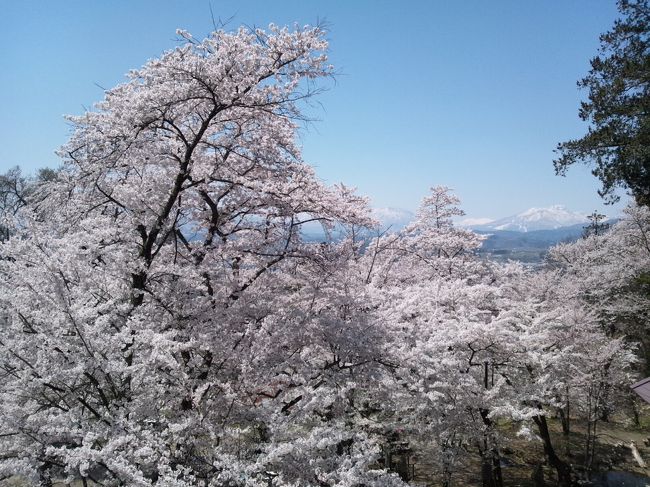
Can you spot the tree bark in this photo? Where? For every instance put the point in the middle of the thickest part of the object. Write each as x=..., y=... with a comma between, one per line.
x=490, y=458
x=565, y=419
x=491, y=474
x=44, y=475
x=565, y=415
x=538, y=476
x=562, y=468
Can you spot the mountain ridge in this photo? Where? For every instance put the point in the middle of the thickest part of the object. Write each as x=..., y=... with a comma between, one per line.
x=532, y=219
x=537, y=218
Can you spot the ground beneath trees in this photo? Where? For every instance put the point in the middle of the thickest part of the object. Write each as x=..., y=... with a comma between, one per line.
x=521, y=456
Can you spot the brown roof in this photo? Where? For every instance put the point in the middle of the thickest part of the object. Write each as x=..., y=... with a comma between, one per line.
x=642, y=388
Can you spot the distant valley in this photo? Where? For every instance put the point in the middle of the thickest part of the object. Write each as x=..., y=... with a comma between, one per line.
x=529, y=247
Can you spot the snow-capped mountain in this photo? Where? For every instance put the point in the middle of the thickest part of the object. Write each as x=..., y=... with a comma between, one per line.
x=395, y=218
x=533, y=219
x=473, y=222
x=550, y=218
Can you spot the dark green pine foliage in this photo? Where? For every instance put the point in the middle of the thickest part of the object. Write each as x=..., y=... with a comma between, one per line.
x=597, y=225
x=617, y=143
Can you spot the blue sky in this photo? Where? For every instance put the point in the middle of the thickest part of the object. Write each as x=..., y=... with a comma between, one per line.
x=471, y=94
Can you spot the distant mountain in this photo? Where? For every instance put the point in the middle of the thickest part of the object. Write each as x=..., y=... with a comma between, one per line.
x=393, y=218
x=526, y=236
x=473, y=222
x=553, y=217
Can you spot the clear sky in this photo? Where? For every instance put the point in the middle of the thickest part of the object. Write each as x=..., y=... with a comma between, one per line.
x=472, y=94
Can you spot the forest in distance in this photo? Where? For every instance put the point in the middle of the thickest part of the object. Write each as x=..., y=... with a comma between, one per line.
x=164, y=322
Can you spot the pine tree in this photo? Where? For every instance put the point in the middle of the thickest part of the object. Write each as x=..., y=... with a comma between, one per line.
x=618, y=141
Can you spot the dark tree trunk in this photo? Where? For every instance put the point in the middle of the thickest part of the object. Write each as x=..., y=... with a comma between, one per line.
x=566, y=422
x=498, y=473
x=490, y=458
x=565, y=413
x=635, y=412
x=604, y=414
x=45, y=476
x=486, y=474
x=446, y=478
x=538, y=476
x=491, y=474
x=645, y=353
x=448, y=461
x=562, y=468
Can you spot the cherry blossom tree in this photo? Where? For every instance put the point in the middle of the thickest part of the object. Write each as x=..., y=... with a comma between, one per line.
x=16, y=190
x=435, y=241
x=441, y=307
x=166, y=324
x=610, y=272
x=477, y=341
x=564, y=357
